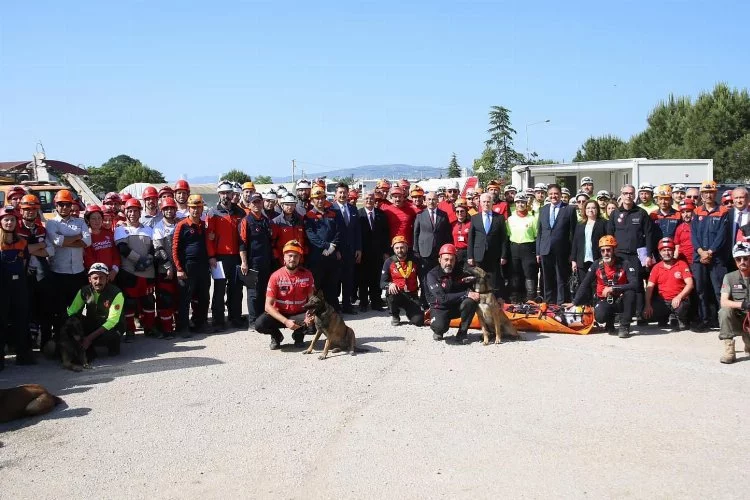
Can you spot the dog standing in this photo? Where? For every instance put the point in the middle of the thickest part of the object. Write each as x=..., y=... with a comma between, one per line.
x=329, y=322
x=26, y=401
x=490, y=311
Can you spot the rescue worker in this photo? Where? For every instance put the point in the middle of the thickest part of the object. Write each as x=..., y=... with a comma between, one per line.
x=441, y=194
x=678, y=194
x=113, y=201
x=565, y=195
x=165, y=192
x=248, y=189
x=587, y=186
x=223, y=245
x=303, y=189
x=735, y=304
x=602, y=198
x=167, y=298
x=190, y=258
x=400, y=216
x=136, y=276
x=669, y=287
x=474, y=204
x=540, y=195
x=451, y=194
x=103, y=302
x=510, y=192
x=581, y=198
x=109, y=219
x=666, y=219
x=288, y=225
x=417, y=198
x=682, y=235
x=460, y=232
x=236, y=193
x=150, y=215
x=726, y=198
x=522, y=233
x=102, y=248
x=289, y=288
x=269, y=204
x=14, y=311
x=499, y=206
x=646, y=197
x=323, y=231
x=13, y=197
x=399, y=280
x=615, y=281
x=450, y=296
x=255, y=253
x=384, y=186
x=181, y=194
x=709, y=237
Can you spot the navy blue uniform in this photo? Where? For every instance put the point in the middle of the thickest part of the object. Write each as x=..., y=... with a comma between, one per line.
x=322, y=229
x=255, y=239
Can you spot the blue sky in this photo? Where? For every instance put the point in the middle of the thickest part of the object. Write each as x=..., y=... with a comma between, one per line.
x=200, y=89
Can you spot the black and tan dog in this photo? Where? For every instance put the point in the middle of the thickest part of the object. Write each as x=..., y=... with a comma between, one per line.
x=329, y=322
x=26, y=401
x=490, y=311
x=68, y=343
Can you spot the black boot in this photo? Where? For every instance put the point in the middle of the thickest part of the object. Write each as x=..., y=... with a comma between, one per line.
x=530, y=289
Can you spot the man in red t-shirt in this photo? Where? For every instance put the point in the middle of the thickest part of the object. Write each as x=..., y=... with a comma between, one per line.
x=673, y=282
x=399, y=280
x=400, y=216
x=288, y=289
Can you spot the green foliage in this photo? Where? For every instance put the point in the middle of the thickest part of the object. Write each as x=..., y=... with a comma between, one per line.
x=454, y=169
x=485, y=167
x=348, y=180
x=139, y=173
x=607, y=147
x=263, y=179
x=501, y=141
x=535, y=160
x=121, y=171
x=237, y=176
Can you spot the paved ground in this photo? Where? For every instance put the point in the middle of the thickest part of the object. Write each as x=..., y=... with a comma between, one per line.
x=593, y=416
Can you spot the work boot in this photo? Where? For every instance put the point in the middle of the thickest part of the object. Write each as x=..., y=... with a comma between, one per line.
x=611, y=328
x=681, y=325
x=462, y=338
x=276, y=341
x=299, y=338
x=437, y=336
x=700, y=328
x=129, y=337
x=623, y=332
x=729, y=356
x=219, y=327
x=395, y=320
x=746, y=341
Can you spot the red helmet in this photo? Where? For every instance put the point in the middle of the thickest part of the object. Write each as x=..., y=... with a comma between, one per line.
x=354, y=195
x=666, y=243
x=405, y=184
x=149, y=192
x=29, y=201
x=125, y=197
x=93, y=208
x=167, y=202
x=687, y=205
x=133, y=203
x=112, y=197
x=182, y=185
x=397, y=190
x=109, y=212
x=8, y=210
x=726, y=196
x=447, y=248
x=166, y=190
x=16, y=191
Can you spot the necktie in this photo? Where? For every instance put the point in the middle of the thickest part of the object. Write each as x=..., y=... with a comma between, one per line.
x=345, y=213
x=552, y=215
x=432, y=217
x=369, y=216
x=487, y=222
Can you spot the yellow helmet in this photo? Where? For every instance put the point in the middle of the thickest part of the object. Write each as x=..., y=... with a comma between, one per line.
x=664, y=191
x=248, y=185
x=318, y=192
x=292, y=246
x=195, y=200
x=708, y=186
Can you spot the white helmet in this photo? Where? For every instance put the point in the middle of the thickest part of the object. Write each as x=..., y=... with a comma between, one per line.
x=454, y=185
x=741, y=249
x=98, y=267
x=541, y=187
x=269, y=195
x=587, y=180
x=303, y=184
x=510, y=187
x=224, y=186
x=646, y=186
x=289, y=198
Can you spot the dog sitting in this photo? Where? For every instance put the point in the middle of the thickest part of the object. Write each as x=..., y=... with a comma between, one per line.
x=490, y=311
x=68, y=343
x=329, y=322
x=26, y=401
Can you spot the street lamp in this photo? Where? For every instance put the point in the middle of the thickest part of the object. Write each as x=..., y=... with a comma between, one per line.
x=528, y=157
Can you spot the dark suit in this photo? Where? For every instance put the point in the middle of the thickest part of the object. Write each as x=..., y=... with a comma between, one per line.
x=375, y=244
x=553, y=244
x=578, y=250
x=350, y=241
x=731, y=236
x=428, y=238
x=487, y=248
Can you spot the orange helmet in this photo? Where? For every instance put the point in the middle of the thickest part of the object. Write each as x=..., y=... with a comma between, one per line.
x=664, y=191
x=182, y=185
x=318, y=192
x=397, y=190
x=320, y=183
x=292, y=246
x=461, y=202
x=167, y=201
x=133, y=203
x=149, y=192
x=708, y=186
x=416, y=191
x=64, y=196
x=384, y=184
x=29, y=201
x=448, y=248
x=195, y=200
x=405, y=184
x=666, y=243
x=398, y=239
x=607, y=241
x=493, y=184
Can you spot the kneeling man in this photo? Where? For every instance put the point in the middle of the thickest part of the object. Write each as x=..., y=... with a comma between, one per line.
x=669, y=286
x=735, y=303
x=399, y=280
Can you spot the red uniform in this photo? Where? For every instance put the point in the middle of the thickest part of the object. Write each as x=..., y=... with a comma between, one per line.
x=400, y=221
x=448, y=208
x=283, y=231
x=102, y=249
x=670, y=281
x=615, y=275
x=291, y=291
x=682, y=239
x=502, y=209
x=402, y=274
x=461, y=234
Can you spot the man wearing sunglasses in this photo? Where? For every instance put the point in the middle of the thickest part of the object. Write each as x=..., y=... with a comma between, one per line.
x=735, y=303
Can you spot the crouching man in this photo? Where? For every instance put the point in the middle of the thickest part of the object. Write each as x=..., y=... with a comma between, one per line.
x=289, y=288
x=399, y=280
x=103, y=321
x=450, y=296
x=616, y=283
x=669, y=287
x=735, y=303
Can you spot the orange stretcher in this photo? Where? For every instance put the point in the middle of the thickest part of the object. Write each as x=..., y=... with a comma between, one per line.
x=541, y=317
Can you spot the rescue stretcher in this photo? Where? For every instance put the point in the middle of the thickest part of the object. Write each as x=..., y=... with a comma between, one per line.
x=541, y=317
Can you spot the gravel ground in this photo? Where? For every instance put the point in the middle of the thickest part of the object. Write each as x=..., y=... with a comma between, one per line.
x=221, y=416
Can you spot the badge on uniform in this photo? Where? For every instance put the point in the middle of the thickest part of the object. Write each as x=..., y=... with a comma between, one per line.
x=461, y=238
x=636, y=220
x=678, y=275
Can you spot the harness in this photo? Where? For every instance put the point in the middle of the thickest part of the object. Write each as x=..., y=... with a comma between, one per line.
x=568, y=317
x=619, y=271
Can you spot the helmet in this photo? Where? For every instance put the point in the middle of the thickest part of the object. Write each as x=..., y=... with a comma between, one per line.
x=493, y=184
x=398, y=239
x=133, y=203
x=416, y=191
x=687, y=206
x=16, y=191
x=318, y=192
x=454, y=186
x=248, y=185
x=646, y=186
x=541, y=187
x=441, y=189
x=8, y=210
x=281, y=191
x=182, y=185
x=167, y=202
x=447, y=248
x=510, y=187
x=195, y=200
x=303, y=184
x=726, y=196
x=397, y=190
x=320, y=182
x=530, y=191
x=63, y=196
x=149, y=192
x=270, y=194
x=353, y=195
x=664, y=191
x=679, y=188
x=520, y=197
x=289, y=198
x=383, y=184
x=582, y=193
x=708, y=186
x=98, y=267
x=112, y=197
x=587, y=180
x=237, y=188
x=741, y=249
x=90, y=209
x=607, y=241
x=292, y=246
x=461, y=202
x=166, y=190
x=405, y=184
x=666, y=243
x=603, y=194
x=125, y=197
x=565, y=191
x=29, y=201
x=224, y=187
x=478, y=190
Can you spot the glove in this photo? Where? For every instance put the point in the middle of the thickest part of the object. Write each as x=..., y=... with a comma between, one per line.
x=144, y=263
x=328, y=251
x=745, y=305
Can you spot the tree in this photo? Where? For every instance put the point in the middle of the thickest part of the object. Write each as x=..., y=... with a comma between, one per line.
x=263, y=179
x=454, y=169
x=237, y=176
x=348, y=180
x=139, y=173
x=606, y=147
x=121, y=171
x=485, y=167
x=501, y=141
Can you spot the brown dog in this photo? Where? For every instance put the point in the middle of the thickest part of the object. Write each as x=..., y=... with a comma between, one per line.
x=69, y=344
x=26, y=401
x=329, y=322
x=490, y=311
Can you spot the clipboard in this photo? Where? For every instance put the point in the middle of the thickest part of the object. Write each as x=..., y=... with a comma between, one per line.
x=249, y=280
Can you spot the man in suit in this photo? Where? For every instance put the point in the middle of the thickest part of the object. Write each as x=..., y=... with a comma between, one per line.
x=737, y=217
x=375, y=249
x=432, y=229
x=350, y=244
x=489, y=246
x=556, y=225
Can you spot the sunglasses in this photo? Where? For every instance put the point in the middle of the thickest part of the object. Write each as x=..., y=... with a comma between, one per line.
x=64, y=204
x=694, y=197
x=628, y=193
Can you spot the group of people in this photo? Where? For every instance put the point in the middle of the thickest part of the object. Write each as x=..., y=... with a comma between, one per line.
x=151, y=261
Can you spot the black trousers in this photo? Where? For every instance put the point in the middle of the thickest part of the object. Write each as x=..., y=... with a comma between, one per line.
x=230, y=286
x=708, y=278
x=41, y=300
x=368, y=272
x=604, y=312
x=326, y=274
x=14, y=314
x=426, y=264
x=524, y=269
x=269, y=325
x=256, y=296
x=197, y=284
x=640, y=293
x=65, y=287
x=556, y=273
x=110, y=339
x=441, y=318
x=409, y=303
x=663, y=309
x=346, y=278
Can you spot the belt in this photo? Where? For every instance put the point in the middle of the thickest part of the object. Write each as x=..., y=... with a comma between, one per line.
x=291, y=302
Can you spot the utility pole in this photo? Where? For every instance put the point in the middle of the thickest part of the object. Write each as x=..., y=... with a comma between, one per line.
x=293, y=167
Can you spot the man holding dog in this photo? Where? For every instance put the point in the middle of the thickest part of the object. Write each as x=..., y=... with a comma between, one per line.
x=450, y=296
x=289, y=288
x=103, y=322
x=399, y=280
x=735, y=303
